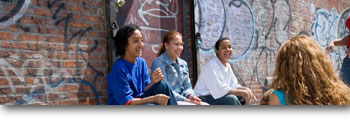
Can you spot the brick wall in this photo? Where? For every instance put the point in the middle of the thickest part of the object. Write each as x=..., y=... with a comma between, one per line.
x=52, y=52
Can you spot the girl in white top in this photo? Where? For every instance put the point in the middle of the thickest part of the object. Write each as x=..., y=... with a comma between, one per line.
x=217, y=84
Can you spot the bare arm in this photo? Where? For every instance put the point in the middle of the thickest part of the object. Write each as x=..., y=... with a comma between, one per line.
x=237, y=92
x=338, y=42
x=245, y=92
x=274, y=100
x=138, y=101
x=160, y=99
x=342, y=42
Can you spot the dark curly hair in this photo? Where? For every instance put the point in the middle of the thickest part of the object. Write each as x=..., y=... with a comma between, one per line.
x=121, y=39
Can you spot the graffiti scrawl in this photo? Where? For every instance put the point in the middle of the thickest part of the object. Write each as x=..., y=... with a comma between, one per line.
x=19, y=8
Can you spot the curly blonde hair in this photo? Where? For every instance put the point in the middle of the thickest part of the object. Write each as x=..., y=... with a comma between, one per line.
x=305, y=75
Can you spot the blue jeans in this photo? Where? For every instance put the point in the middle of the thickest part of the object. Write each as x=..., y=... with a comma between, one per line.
x=160, y=88
x=345, y=71
x=228, y=99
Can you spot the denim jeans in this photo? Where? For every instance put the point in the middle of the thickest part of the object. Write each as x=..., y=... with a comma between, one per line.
x=228, y=99
x=345, y=71
x=160, y=88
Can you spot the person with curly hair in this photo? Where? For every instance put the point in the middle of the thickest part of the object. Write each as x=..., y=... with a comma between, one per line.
x=304, y=76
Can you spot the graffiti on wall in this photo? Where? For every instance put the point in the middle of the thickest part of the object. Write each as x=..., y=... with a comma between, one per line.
x=233, y=19
x=325, y=28
x=47, y=75
x=342, y=31
x=155, y=18
x=17, y=8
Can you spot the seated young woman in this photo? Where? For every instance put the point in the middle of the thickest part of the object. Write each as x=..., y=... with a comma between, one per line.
x=175, y=69
x=217, y=84
x=129, y=83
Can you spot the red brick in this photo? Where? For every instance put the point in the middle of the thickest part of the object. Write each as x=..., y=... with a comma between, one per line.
x=79, y=25
x=56, y=39
x=23, y=46
x=4, y=44
x=72, y=48
x=101, y=34
x=79, y=56
x=87, y=101
x=12, y=28
x=104, y=57
x=64, y=56
x=42, y=12
x=51, y=30
x=32, y=20
x=20, y=90
x=29, y=80
x=56, y=64
x=60, y=31
x=93, y=18
x=6, y=36
x=67, y=88
x=93, y=34
x=4, y=81
x=67, y=102
x=5, y=91
x=94, y=57
x=76, y=7
x=7, y=100
x=16, y=81
x=97, y=27
x=52, y=55
x=71, y=95
x=84, y=88
x=69, y=64
x=53, y=97
x=30, y=37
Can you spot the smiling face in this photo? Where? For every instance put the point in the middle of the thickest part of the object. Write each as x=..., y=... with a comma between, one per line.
x=135, y=45
x=224, y=52
x=174, y=47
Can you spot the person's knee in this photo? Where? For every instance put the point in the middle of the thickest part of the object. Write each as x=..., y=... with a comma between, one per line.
x=163, y=86
x=232, y=100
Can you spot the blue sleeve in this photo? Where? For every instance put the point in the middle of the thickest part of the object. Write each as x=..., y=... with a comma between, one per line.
x=280, y=96
x=158, y=63
x=146, y=73
x=118, y=85
x=187, y=84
